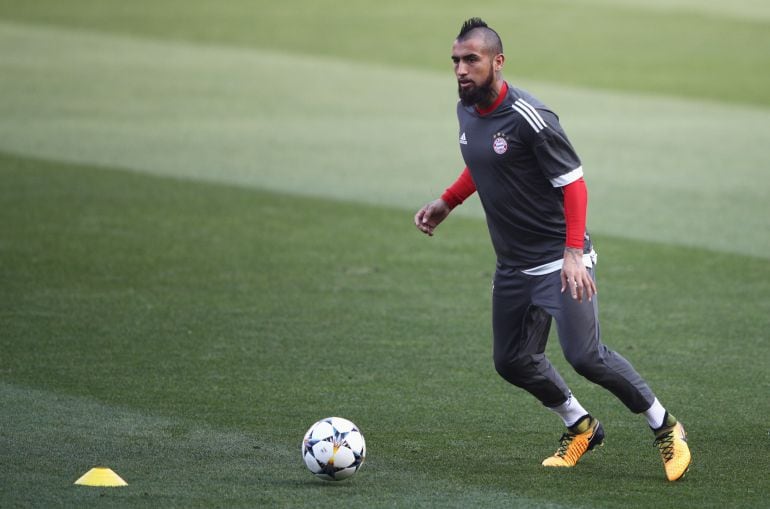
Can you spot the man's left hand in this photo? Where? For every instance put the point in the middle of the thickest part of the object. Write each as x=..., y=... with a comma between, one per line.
x=575, y=276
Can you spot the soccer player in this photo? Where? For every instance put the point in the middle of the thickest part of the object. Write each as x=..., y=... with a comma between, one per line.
x=530, y=182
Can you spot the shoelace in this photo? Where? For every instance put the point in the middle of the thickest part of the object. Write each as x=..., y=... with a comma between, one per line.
x=565, y=451
x=564, y=442
x=665, y=442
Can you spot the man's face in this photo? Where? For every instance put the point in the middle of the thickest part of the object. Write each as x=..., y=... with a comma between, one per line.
x=474, y=70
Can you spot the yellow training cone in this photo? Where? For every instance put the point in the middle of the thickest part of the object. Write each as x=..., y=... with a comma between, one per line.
x=101, y=476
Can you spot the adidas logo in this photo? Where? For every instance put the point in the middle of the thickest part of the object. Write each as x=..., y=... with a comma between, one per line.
x=463, y=141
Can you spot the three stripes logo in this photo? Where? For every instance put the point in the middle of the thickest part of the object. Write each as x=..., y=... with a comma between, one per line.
x=463, y=140
x=530, y=114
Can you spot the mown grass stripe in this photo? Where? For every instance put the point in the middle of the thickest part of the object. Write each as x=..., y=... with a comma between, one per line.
x=241, y=311
x=683, y=48
x=658, y=169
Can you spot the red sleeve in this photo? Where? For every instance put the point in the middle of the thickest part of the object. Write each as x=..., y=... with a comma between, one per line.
x=462, y=188
x=575, y=206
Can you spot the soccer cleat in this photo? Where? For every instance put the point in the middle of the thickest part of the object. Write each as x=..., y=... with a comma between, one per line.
x=671, y=441
x=586, y=434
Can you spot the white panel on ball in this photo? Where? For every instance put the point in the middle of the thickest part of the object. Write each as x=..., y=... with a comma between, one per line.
x=333, y=449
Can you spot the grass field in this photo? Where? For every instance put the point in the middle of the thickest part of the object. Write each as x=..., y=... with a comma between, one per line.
x=206, y=245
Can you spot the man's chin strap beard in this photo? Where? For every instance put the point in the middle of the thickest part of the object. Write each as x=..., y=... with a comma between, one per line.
x=481, y=96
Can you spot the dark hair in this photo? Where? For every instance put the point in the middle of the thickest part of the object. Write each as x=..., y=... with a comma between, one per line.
x=491, y=38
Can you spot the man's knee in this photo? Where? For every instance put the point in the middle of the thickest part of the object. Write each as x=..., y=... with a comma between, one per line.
x=588, y=364
x=517, y=370
x=534, y=374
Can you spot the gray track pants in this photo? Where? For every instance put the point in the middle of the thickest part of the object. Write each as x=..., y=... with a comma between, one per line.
x=522, y=308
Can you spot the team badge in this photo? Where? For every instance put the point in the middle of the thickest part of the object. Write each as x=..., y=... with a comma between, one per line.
x=499, y=144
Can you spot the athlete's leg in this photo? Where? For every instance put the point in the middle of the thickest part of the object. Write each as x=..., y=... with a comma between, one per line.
x=520, y=333
x=580, y=337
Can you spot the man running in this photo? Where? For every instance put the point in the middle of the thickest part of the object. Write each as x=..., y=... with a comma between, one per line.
x=531, y=186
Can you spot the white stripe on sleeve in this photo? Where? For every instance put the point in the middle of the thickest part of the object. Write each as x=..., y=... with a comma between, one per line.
x=567, y=178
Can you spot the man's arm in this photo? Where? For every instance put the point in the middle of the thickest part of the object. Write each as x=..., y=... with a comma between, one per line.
x=460, y=190
x=574, y=274
x=432, y=214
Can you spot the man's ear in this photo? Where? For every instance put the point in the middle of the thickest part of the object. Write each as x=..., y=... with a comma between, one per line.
x=499, y=61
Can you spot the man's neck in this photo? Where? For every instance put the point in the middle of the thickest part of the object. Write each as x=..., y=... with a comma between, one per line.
x=500, y=88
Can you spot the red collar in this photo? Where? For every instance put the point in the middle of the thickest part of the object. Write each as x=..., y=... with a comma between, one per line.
x=493, y=107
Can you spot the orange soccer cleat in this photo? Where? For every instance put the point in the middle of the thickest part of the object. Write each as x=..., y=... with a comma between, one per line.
x=586, y=434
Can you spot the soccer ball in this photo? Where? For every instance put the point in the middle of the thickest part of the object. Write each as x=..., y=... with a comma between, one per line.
x=333, y=449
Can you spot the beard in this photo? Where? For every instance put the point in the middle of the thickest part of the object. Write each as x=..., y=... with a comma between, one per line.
x=478, y=94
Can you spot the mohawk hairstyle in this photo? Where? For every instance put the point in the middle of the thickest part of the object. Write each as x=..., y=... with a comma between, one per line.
x=491, y=38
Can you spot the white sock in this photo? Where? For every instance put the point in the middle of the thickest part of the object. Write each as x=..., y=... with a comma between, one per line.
x=570, y=411
x=655, y=414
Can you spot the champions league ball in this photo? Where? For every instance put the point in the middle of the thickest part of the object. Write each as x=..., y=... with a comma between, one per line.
x=333, y=449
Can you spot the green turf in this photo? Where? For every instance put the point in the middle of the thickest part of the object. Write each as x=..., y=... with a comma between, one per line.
x=658, y=168
x=186, y=335
x=689, y=50
x=200, y=257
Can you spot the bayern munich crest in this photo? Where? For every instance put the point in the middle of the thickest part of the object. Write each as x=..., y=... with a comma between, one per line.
x=499, y=144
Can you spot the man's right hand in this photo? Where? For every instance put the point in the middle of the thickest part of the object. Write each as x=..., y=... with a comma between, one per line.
x=431, y=215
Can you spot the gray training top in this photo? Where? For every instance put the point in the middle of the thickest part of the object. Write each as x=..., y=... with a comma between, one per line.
x=520, y=158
